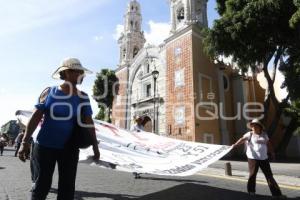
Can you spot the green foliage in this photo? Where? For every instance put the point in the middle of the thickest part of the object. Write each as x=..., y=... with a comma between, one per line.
x=291, y=69
x=221, y=6
x=295, y=20
x=104, y=91
x=250, y=31
x=253, y=32
x=101, y=114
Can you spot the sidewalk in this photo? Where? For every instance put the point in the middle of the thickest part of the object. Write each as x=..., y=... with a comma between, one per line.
x=289, y=177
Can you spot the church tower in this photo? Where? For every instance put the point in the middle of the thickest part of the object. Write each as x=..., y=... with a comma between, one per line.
x=132, y=39
x=191, y=81
x=186, y=12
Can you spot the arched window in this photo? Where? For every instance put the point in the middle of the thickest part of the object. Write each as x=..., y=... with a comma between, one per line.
x=180, y=14
x=225, y=83
x=124, y=53
x=131, y=24
x=135, y=51
x=147, y=68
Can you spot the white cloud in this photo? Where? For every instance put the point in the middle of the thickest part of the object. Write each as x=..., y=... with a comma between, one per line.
x=3, y=91
x=118, y=31
x=18, y=15
x=98, y=38
x=159, y=31
x=280, y=93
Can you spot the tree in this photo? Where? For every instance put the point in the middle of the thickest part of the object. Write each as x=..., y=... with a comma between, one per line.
x=101, y=115
x=295, y=20
x=291, y=70
x=256, y=34
x=104, y=90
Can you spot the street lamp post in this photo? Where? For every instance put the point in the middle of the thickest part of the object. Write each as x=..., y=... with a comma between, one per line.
x=155, y=74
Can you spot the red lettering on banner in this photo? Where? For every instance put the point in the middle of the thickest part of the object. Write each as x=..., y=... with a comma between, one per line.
x=111, y=128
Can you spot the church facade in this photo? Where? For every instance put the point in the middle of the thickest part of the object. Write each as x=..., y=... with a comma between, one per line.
x=191, y=98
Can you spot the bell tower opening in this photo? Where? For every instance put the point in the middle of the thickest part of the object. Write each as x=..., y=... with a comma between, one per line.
x=132, y=38
x=186, y=12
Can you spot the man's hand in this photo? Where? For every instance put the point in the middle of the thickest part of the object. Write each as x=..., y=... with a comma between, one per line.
x=23, y=151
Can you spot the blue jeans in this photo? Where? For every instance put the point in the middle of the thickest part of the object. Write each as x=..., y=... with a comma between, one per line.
x=44, y=163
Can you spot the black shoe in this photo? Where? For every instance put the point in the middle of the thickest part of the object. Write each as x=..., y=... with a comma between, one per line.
x=136, y=175
x=251, y=194
x=279, y=197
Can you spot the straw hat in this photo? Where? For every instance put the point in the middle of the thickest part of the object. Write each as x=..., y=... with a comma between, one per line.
x=69, y=63
x=255, y=121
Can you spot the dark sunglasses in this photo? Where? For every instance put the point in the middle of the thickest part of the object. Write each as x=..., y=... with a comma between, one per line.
x=76, y=71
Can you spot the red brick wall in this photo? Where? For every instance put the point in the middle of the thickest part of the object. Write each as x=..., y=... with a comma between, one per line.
x=182, y=95
x=119, y=110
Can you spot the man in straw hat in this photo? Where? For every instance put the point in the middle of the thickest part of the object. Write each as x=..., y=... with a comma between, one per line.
x=258, y=145
x=60, y=107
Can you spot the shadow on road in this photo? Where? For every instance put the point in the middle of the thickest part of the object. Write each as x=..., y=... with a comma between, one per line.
x=190, y=191
x=81, y=195
x=173, y=180
x=187, y=191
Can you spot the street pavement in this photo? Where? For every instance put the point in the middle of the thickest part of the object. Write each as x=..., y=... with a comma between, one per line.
x=100, y=183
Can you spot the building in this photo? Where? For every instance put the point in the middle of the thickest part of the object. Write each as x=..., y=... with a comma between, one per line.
x=192, y=98
x=11, y=128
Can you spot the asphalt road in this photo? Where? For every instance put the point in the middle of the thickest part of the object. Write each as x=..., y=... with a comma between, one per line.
x=99, y=183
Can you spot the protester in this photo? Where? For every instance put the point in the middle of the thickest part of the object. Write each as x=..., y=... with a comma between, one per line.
x=3, y=143
x=138, y=126
x=59, y=106
x=19, y=141
x=258, y=145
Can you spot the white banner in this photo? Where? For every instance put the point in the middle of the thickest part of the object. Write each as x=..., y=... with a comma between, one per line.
x=145, y=152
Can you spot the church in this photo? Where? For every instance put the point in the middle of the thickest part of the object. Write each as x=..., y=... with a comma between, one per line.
x=175, y=87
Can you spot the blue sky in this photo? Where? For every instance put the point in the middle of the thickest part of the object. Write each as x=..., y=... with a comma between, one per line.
x=36, y=35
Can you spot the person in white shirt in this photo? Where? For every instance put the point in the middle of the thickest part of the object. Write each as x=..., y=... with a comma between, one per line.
x=138, y=126
x=258, y=145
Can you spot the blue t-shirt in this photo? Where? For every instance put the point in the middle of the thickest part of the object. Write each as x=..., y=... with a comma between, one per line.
x=60, y=115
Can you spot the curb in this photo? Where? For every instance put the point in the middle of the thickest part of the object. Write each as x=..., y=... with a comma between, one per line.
x=242, y=176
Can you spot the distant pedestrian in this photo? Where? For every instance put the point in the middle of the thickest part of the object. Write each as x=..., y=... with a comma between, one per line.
x=3, y=143
x=138, y=124
x=19, y=141
x=60, y=107
x=258, y=146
